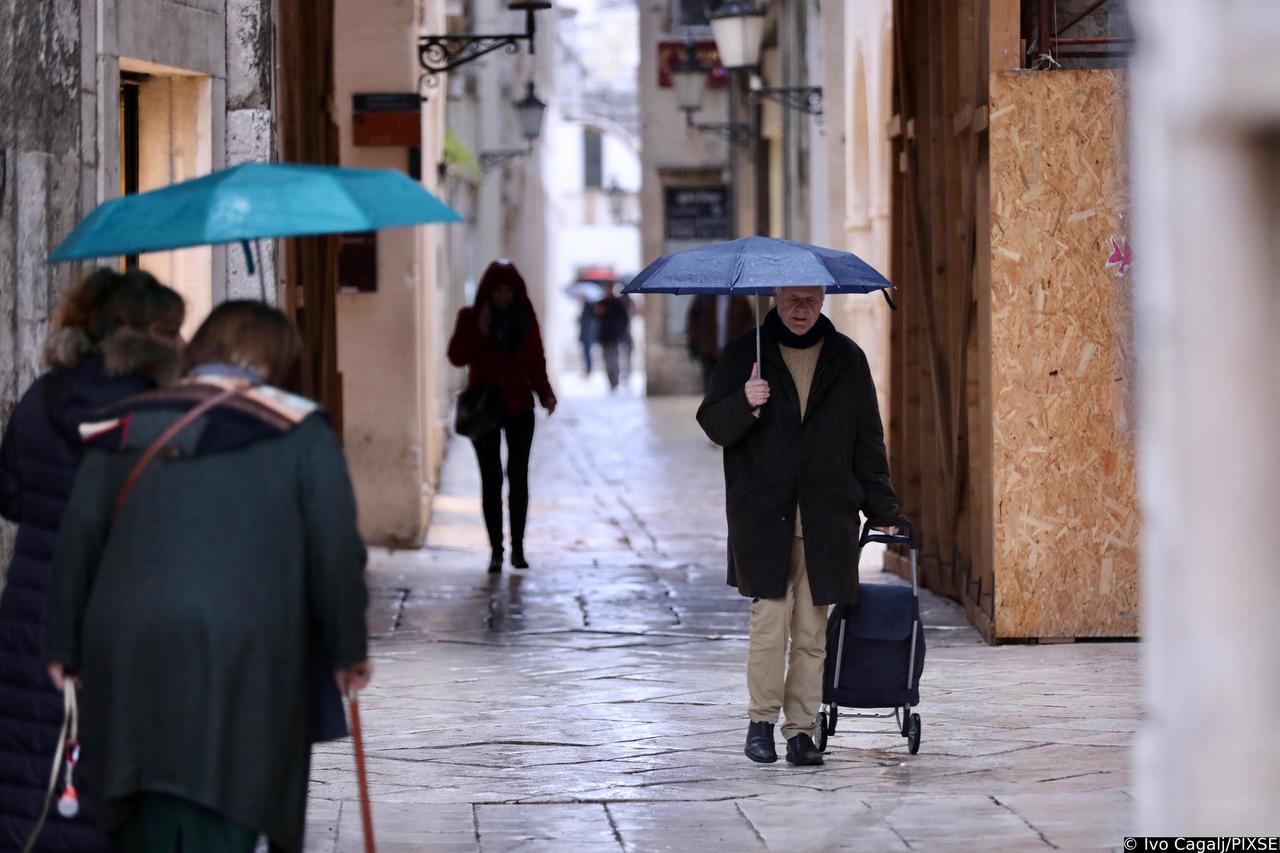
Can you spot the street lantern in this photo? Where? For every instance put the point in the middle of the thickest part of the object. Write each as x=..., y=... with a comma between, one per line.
x=738, y=27
x=530, y=109
x=617, y=201
x=690, y=80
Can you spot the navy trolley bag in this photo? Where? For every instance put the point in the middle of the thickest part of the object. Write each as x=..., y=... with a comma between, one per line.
x=875, y=653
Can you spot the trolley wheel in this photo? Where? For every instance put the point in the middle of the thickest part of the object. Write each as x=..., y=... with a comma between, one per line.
x=904, y=721
x=913, y=735
x=833, y=714
x=821, y=739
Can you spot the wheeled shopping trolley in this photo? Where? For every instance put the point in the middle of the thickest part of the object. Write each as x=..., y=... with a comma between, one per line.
x=875, y=653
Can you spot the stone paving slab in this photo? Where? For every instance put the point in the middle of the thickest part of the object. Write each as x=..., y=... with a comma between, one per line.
x=596, y=702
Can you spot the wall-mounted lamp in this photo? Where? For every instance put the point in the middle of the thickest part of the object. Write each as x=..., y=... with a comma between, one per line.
x=530, y=110
x=738, y=27
x=619, y=199
x=690, y=80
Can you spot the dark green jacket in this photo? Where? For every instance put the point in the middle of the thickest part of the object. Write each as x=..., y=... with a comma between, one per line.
x=832, y=464
x=195, y=618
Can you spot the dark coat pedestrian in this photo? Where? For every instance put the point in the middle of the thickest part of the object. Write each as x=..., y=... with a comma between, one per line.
x=613, y=329
x=702, y=324
x=498, y=340
x=709, y=328
x=832, y=464
x=195, y=613
x=587, y=333
x=613, y=318
x=95, y=358
x=503, y=346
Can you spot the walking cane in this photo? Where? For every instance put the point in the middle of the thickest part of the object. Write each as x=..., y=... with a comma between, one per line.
x=366, y=815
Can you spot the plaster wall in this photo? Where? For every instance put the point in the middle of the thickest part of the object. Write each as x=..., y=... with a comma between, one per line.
x=857, y=80
x=379, y=334
x=439, y=288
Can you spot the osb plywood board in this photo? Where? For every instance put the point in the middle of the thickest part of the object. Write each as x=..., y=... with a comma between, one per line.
x=1066, y=518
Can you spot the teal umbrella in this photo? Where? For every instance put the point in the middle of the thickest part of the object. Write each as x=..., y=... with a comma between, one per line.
x=250, y=202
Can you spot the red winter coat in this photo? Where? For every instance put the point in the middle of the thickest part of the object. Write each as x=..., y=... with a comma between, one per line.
x=520, y=373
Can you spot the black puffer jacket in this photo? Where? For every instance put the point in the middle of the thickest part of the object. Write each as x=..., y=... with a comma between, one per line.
x=38, y=463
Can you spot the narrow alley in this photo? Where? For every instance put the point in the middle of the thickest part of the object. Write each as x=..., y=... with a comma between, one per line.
x=597, y=700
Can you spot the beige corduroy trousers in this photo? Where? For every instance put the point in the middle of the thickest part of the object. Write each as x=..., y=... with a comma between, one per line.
x=782, y=679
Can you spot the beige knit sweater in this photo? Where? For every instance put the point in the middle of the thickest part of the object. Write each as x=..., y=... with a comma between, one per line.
x=801, y=363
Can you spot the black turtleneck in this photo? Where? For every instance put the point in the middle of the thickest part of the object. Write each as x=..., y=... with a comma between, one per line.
x=787, y=338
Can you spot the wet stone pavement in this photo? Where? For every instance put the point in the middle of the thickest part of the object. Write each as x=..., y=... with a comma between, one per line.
x=597, y=701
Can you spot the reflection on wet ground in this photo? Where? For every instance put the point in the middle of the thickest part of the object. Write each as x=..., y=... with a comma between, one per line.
x=596, y=701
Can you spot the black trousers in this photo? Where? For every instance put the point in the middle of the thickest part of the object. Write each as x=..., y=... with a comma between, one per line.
x=519, y=431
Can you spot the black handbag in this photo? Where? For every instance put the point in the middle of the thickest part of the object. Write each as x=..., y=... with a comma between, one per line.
x=480, y=410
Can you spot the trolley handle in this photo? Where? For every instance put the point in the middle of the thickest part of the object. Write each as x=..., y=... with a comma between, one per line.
x=909, y=538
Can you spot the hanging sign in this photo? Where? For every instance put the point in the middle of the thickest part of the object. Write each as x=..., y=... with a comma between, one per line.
x=386, y=118
x=697, y=213
x=671, y=54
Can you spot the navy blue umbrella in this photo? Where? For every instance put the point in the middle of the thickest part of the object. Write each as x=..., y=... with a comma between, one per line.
x=755, y=266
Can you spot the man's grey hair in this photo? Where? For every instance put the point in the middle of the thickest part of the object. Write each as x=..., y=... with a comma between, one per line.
x=777, y=291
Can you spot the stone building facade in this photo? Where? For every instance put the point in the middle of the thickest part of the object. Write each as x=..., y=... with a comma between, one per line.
x=80, y=81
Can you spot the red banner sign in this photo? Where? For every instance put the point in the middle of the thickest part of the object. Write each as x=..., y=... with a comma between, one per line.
x=671, y=54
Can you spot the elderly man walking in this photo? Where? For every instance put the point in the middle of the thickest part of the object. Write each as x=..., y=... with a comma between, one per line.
x=803, y=455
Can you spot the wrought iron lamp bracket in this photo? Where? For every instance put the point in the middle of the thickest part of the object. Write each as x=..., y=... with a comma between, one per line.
x=806, y=99
x=490, y=160
x=735, y=133
x=440, y=54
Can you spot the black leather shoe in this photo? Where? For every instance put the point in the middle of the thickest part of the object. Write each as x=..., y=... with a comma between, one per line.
x=517, y=559
x=801, y=750
x=760, y=743
x=495, y=563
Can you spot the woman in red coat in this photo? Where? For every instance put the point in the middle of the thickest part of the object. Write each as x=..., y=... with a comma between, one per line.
x=498, y=339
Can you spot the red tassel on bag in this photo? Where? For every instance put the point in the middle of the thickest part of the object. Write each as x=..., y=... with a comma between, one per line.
x=366, y=815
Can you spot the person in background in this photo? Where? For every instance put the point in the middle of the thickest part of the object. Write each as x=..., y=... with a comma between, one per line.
x=627, y=345
x=587, y=333
x=193, y=597
x=613, y=322
x=712, y=322
x=113, y=336
x=498, y=339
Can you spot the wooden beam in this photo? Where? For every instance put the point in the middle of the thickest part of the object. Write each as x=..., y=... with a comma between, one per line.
x=1004, y=49
x=981, y=116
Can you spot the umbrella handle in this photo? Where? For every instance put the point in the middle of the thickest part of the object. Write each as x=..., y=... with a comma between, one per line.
x=757, y=304
x=250, y=266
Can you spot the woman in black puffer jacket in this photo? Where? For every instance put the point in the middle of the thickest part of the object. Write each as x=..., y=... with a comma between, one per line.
x=114, y=336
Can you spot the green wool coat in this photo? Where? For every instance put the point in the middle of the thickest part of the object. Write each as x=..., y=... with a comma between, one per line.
x=195, y=618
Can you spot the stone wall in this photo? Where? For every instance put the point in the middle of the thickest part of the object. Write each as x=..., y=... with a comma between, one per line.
x=44, y=179
x=59, y=137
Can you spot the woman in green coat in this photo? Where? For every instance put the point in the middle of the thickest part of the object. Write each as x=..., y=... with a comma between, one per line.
x=194, y=612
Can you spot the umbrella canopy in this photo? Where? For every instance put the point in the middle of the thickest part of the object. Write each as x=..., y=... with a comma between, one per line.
x=756, y=265
x=591, y=291
x=253, y=201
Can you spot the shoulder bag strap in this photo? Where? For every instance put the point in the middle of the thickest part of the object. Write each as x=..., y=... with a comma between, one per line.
x=149, y=455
